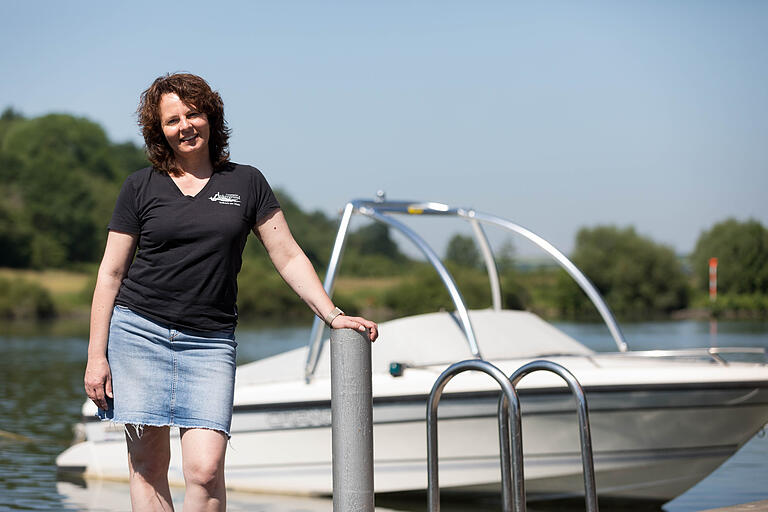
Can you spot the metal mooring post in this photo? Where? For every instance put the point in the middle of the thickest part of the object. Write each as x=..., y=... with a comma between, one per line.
x=351, y=421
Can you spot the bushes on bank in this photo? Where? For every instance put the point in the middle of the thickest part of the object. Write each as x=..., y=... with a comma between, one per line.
x=742, y=252
x=637, y=277
x=23, y=300
x=263, y=294
x=424, y=292
x=732, y=305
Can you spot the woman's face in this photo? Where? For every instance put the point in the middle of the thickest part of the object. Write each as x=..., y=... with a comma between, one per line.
x=185, y=128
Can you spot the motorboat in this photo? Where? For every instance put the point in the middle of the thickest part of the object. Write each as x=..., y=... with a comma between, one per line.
x=661, y=420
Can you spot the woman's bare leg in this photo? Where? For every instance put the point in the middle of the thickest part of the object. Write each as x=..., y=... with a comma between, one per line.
x=149, y=453
x=202, y=453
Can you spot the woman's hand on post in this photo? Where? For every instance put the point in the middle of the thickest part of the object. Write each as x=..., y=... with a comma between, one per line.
x=98, y=381
x=357, y=323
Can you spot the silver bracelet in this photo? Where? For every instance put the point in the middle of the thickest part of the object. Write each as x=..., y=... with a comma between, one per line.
x=332, y=315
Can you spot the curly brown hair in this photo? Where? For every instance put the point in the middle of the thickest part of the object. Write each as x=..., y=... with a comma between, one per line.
x=192, y=90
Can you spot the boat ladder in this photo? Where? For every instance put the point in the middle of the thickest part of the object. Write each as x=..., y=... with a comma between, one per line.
x=510, y=426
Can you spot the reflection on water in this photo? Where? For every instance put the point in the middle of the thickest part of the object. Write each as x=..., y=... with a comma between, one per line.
x=741, y=479
x=41, y=394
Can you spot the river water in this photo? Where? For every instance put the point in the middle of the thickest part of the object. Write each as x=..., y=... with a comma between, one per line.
x=41, y=394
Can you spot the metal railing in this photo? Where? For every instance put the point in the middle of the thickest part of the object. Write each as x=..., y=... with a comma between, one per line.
x=713, y=353
x=585, y=435
x=433, y=484
x=510, y=432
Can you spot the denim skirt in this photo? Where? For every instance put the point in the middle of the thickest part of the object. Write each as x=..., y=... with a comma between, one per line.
x=162, y=376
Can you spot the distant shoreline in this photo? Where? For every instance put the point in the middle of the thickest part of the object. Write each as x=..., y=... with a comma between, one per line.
x=67, y=295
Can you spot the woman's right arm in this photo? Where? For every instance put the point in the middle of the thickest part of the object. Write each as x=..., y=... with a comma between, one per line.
x=118, y=255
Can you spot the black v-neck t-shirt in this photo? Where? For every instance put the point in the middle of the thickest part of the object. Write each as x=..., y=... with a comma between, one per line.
x=190, y=248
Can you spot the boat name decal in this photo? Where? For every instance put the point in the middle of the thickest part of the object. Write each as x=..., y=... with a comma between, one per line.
x=298, y=419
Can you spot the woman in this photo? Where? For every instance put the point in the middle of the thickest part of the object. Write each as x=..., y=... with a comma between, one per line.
x=161, y=351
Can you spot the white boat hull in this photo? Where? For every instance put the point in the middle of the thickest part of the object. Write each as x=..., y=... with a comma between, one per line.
x=649, y=444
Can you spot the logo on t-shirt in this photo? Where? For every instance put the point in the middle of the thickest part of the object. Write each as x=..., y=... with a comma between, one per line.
x=233, y=199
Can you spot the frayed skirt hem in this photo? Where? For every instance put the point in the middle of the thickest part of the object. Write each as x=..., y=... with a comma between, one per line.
x=138, y=426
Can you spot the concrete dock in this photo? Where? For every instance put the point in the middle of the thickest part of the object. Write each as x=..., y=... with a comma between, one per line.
x=751, y=507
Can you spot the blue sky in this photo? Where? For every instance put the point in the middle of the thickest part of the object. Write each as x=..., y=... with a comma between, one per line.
x=556, y=115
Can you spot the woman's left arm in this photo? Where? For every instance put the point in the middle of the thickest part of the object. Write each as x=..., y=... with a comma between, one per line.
x=295, y=268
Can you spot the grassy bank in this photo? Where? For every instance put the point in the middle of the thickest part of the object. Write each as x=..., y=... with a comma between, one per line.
x=43, y=294
x=69, y=291
x=745, y=306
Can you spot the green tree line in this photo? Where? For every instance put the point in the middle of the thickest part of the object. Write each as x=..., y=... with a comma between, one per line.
x=60, y=175
x=59, y=178
x=638, y=277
